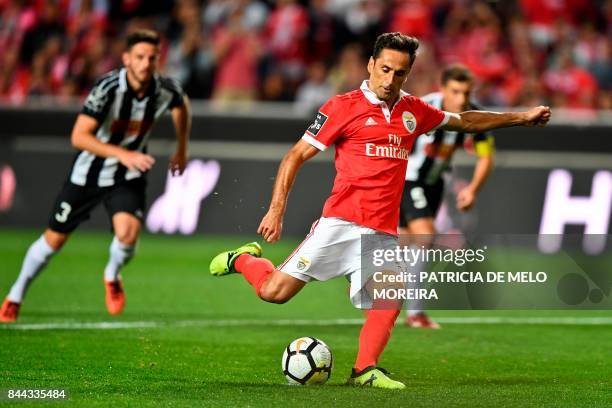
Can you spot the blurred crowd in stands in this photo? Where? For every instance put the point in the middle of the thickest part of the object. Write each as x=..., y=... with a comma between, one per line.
x=522, y=52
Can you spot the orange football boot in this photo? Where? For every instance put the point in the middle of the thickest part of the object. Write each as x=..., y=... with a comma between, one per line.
x=115, y=297
x=421, y=321
x=9, y=312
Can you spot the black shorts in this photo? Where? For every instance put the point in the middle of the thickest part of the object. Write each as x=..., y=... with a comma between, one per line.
x=420, y=200
x=74, y=203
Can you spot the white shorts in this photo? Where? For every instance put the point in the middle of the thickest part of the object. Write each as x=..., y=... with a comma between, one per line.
x=333, y=249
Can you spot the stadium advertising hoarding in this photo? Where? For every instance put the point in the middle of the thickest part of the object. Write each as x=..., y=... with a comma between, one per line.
x=214, y=191
x=543, y=180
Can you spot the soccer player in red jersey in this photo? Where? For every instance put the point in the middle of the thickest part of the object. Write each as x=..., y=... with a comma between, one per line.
x=373, y=129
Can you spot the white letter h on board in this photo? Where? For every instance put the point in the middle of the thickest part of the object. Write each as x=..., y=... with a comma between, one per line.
x=560, y=208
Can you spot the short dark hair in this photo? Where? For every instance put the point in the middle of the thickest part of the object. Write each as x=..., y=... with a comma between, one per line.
x=142, y=35
x=456, y=72
x=396, y=41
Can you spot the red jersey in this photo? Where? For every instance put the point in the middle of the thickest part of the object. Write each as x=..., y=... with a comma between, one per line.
x=372, y=148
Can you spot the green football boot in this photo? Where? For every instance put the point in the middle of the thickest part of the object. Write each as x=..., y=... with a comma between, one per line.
x=223, y=263
x=376, y=377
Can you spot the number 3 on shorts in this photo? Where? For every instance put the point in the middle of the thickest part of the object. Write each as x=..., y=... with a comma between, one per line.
x=418, y=197
x=62, y=216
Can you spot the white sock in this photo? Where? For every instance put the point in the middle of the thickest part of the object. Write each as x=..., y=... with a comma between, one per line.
x=120, y=255
x=36, y=259
x=415, y=307
x=414, y=312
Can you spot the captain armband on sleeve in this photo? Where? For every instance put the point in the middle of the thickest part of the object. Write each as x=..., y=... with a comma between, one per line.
x=484, y=145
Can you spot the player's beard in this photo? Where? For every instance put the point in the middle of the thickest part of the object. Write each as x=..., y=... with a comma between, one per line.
x=388, y=96
x=143, y=78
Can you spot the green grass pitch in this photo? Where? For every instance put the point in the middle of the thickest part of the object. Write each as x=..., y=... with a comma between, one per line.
x=204, y=341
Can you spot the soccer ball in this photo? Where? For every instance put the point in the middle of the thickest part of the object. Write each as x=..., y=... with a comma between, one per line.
x=307, y=361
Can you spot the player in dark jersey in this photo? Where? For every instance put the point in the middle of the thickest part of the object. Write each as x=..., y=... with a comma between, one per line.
x=430, y=159
x=373, y=129
x=111, y=134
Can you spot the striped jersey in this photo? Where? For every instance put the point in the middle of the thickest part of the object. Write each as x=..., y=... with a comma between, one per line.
x=432, y=152
x=124, y=120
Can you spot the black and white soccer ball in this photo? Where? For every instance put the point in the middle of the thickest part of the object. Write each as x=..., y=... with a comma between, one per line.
x=307, y=361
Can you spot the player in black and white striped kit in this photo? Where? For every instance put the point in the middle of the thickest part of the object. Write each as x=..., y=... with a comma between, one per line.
x=111, y=134
x=430, y=160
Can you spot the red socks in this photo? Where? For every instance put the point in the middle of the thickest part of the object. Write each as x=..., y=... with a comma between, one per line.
x=374, y=336
x=375, y=332
x=255, y=270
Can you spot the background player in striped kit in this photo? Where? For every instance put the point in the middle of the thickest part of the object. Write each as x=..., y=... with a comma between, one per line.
x=111, y=134
x=429, y=161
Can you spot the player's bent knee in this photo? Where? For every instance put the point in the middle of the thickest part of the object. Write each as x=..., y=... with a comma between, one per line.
x=274, y=294
x=55, y=240
x=280, y=288
x=422, y=226
x=128, y=237
x=272, y=297
x=127, y=228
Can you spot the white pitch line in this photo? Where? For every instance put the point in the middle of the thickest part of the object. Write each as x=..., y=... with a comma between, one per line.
x=572, y=321
x=480, y=320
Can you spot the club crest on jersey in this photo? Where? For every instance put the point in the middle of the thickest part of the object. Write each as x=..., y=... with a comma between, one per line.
x=317, y=124
x=303, y=263
x=409, y=121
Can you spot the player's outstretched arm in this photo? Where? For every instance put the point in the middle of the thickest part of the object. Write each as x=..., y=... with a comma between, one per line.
x=83, y=138
x=181, y=118
x=481, y=121
x=271, y=225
